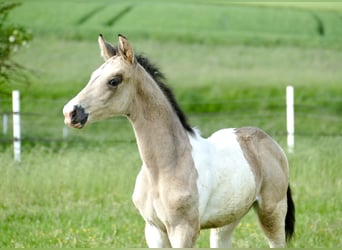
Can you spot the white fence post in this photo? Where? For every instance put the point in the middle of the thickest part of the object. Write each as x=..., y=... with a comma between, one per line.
x=5, y=123
x=16, y=125
x=290, y=118
x=65, y=132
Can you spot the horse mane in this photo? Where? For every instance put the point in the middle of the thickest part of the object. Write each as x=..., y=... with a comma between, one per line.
x=159, y=78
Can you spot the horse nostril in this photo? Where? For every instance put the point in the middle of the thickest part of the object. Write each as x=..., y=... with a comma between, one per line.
x=78, y=116
x=73, y=114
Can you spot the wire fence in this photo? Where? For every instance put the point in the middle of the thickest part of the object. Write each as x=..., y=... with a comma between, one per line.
x=42, y=120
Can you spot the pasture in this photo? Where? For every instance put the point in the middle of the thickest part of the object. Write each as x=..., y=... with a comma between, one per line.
x=226, y=70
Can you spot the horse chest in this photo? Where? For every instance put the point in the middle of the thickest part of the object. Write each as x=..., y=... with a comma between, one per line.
x=147, y=199
x=144, y=199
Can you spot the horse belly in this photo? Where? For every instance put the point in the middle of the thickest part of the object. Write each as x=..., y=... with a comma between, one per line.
x=227, y=202
x=226, y=184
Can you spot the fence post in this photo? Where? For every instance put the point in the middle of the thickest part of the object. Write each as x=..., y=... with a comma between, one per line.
x=65, y=132
x=5, y=123
x=16, y=125
x=290, y=117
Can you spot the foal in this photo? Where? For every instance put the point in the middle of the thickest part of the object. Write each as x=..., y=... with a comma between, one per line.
x=186, y=182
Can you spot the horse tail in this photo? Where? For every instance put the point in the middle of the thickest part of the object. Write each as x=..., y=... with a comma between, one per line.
x=290, y=216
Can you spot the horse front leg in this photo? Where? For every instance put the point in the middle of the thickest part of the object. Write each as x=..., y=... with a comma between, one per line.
x=183, y=235
x=155, y=238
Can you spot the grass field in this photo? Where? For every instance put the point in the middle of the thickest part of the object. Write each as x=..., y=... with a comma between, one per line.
x=228, y=65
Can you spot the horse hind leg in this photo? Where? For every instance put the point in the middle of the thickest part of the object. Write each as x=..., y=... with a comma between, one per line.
x=272, y=221
x=277, y=219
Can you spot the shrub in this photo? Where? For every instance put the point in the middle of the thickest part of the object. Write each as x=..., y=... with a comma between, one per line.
x=12, y=38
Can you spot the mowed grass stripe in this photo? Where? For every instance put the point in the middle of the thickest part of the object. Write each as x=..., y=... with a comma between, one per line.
x=187, y=21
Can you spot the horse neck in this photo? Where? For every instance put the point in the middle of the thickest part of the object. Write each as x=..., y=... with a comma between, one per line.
x=162, y=141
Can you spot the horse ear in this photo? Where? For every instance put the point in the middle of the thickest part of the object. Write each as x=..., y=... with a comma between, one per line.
x=107, y=50
x=125, y=49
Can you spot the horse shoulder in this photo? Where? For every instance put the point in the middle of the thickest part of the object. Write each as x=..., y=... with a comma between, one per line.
x=159, y=201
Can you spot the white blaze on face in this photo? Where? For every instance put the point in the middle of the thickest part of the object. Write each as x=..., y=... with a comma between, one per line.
x=67, y=111
x=94, y=94
x=69, y=108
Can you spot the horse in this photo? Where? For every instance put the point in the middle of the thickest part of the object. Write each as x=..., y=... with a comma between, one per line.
x=186, y=182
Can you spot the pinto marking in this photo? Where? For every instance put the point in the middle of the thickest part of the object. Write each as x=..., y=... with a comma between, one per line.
x=186, y=182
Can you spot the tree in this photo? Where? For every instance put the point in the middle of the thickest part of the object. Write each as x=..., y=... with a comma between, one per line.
x=12, y=38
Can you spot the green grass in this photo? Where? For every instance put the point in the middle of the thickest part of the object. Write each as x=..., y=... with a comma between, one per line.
x=68, y=199
x=226, y=70
x=224, y=23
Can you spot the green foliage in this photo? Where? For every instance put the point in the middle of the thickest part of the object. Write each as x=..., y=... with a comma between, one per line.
x=12, y=38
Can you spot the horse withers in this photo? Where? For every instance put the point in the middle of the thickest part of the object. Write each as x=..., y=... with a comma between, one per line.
x=186, y=182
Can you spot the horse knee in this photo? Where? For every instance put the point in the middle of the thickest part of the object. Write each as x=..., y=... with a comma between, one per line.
x=183, y=235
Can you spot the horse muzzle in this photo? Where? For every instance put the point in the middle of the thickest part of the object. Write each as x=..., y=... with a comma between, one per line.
x=76, y=117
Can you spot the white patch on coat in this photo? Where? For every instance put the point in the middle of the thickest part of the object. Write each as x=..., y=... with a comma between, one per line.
x=226, y=184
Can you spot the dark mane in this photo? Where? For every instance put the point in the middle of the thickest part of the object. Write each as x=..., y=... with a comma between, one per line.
x=159, y=78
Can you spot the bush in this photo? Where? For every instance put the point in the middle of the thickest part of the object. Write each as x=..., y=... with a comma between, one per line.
x=12, y=38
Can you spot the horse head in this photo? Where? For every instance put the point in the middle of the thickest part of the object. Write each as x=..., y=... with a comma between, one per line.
x=110, y=88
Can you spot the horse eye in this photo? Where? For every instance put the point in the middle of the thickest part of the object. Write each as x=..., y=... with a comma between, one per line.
x=115, y=81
